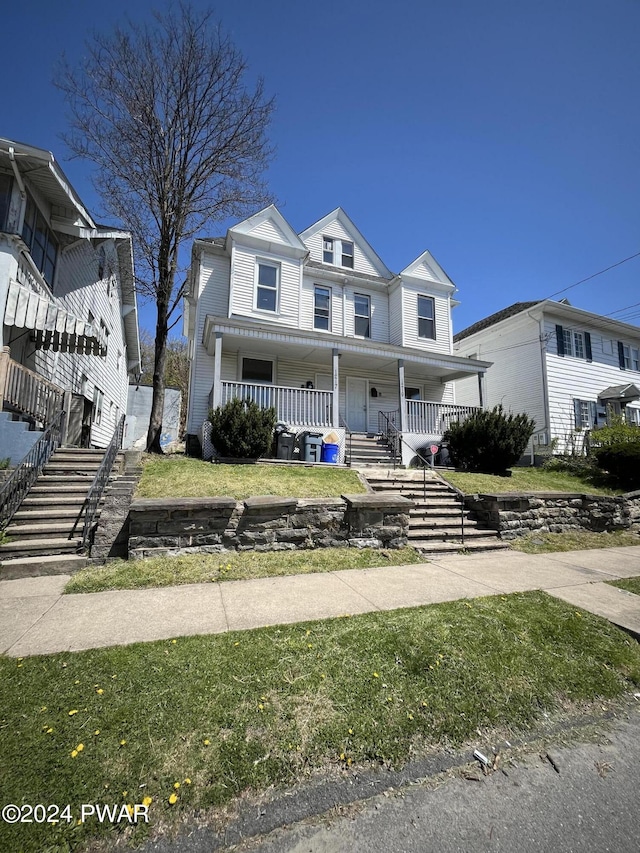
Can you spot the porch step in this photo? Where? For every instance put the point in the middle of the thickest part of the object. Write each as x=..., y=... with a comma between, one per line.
x=23, y=516
x=369, y=450
x=64, y=529
x=43, y=564
x=34, y=547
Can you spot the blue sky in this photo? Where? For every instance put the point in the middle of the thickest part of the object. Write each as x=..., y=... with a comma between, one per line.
x=503, y=136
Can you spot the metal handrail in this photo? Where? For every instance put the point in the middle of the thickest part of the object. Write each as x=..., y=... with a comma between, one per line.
x=398, y=440
x=99, y=482
x=349, y=435
x=16, y=487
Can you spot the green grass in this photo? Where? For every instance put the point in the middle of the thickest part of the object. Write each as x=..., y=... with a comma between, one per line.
x=168, y=477
x=546, y=543
x=246, y=710
x=524, y=480
x=630, y=584
x=204, y=568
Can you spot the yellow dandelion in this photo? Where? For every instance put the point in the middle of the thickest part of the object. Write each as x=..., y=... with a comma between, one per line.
x=130, y=809
x=146, y=801
x=376, y=675
x=350, y=731
x=49, y=731
x=97, y=732
x=44, y=708
x=114, y=676
x=236, y=644
x=342, y=756
x=71, y=713
x=187, y=781
x=173, y=642
x=77, y=681
x=173, y=799
x=99, y=691
x=124, y=793
x=80, y=747
x=260, y=707
x=410, y=716
x=466, y=604
x=206, y=741
x=348, y=762
x=176, y=785
x=74, y=753
x=323, y=675
x=123, y=743
x=424, y=704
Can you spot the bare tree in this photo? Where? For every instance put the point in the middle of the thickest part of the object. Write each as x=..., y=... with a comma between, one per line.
x=179, y=141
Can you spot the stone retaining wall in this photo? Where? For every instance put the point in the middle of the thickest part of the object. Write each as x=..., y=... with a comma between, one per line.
x=554, y=512
x=214, y=525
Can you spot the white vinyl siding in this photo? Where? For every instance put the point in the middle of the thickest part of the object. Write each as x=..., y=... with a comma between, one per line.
x=80, y=290
x=379, y=312
x=244, y=272
x=395, y=317
x=338, y=233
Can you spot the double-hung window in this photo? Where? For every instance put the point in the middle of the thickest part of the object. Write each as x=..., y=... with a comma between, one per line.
x=630, y=357
x=322, y=308
x=43, y=246
x=327, y=250
x=362, y=315
x=426, y=317
x=573, y=343
x=98, y=403
x=347, y=254
x=585, y=414
x=267, y=287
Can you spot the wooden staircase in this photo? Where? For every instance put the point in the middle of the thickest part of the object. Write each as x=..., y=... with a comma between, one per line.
x=436, y=520
x=370, y=451
x=45, y=534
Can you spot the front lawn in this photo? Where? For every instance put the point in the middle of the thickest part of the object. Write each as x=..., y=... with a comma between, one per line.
x=572, y=540
x=204, y=568
x=187, y=725
x=524, y=480
x=185, y=477
x=630, y=584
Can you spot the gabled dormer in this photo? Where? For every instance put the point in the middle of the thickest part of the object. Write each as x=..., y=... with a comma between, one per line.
x=335, y=242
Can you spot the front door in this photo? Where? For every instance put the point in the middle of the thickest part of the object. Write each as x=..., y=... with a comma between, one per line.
x=357, y=404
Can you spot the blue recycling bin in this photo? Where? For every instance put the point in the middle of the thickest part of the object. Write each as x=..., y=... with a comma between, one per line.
x=330, y=453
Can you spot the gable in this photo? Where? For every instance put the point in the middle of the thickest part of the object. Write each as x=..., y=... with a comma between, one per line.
x=338, y=227
x=426, y=268
x=268, y=226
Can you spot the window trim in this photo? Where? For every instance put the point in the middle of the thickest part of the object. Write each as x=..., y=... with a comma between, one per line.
x=581, y=406
x=343, y=255
x=431, y=300
x=256, y=357
x=98, y=406
x=317, y=287
x=357, y=316
x=328, y=251
x=263, y=262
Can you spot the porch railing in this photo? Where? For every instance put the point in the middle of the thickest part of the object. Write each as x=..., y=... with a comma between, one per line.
x=295, y=406
x=27, y=393
x=434, y=418
x=15, y=489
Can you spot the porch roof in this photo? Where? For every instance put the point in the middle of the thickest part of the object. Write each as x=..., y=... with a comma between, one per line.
x=313, y=347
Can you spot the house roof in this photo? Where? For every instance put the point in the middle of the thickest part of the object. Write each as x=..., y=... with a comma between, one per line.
x=492, y=319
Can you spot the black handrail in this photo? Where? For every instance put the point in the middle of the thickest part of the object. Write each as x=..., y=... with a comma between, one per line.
x=393, y=436
x=16, y=488
x=348, y=434
x=99, y=482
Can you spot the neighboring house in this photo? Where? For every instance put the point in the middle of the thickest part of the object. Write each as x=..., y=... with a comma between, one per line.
x=69, y=337
x=566, y=368
x=316, y=325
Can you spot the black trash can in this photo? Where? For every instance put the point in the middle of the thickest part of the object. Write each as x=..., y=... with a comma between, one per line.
x=286, y=442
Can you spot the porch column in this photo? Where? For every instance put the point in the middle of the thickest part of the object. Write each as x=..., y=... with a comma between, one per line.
x=5, y=358
x=217, y=370
x=401, y=396
x=335, y=387
x=481, y=391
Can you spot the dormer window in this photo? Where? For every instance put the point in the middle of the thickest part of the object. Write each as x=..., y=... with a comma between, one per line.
x=267, y=289
x=347, y=254
x=327, y=250
x=426, y=317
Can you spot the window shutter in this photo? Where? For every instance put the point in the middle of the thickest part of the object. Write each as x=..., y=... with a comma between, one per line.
x=593, y=414
x=621, y=355
x=576, y=414
x=587, y=346
x=560, y=340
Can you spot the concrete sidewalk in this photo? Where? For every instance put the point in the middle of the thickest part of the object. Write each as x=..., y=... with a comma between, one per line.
x=35, y=618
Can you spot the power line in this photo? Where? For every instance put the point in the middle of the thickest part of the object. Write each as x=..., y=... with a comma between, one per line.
x=595, y=275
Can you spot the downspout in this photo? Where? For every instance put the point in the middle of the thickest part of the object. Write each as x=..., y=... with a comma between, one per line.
x=21, y=187
x=543, y=365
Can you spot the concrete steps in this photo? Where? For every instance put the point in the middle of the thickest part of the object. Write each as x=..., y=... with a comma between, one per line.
x=435, y=521
x=369, y=450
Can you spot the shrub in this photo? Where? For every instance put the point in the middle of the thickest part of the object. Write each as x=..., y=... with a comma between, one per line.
x=242, y=430
x=489, y=441
x=579, y=466
x=617, y=432
x=622, y=461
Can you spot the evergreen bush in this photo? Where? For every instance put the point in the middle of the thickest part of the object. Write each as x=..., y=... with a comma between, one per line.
x=242, y=430
x=489, y=442
x=622, y=461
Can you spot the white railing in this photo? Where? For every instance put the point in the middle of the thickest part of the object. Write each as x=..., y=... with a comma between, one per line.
x=434, y=418
x=28, y=393
x=295, y=406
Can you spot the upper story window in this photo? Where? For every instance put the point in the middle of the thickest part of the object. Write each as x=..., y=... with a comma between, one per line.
x=629, y=357
x=573, y=343
x=42, y=245
x=426, y=317
x=322, y=308
x=347, y=254
x=362, y=312
x=327, y=250
x=267, y=288
x=6, y=185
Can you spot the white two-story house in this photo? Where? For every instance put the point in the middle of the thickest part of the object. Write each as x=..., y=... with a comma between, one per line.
x=69, y=334
x=316, y=325
x=565, y=367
